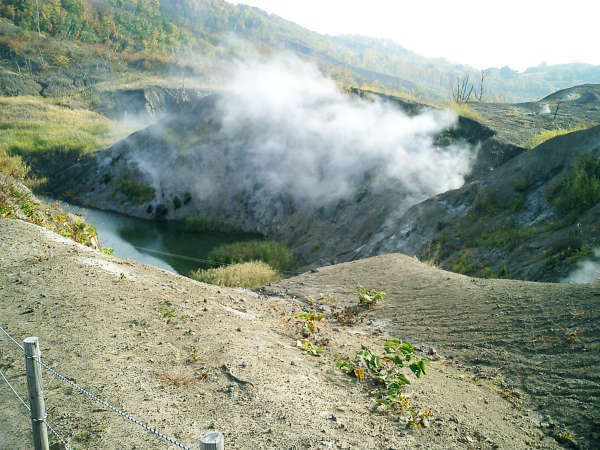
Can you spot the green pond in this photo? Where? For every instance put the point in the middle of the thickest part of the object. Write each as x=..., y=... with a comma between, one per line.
x=163, y=244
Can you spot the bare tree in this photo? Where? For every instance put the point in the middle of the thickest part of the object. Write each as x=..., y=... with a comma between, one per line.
x=556, y=110
x=481, y=88
x=461, y=93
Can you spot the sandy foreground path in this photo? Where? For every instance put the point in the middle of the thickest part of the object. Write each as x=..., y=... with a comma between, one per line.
x=178, y=355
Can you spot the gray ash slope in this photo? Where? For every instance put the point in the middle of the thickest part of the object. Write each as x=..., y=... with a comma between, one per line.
x=191, y=164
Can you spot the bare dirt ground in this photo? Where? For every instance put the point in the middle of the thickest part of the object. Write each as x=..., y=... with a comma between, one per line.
x=105, y=323
x=541, y=338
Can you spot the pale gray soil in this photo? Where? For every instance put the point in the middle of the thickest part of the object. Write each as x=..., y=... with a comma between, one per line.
x=99, y=323
x=542, y=338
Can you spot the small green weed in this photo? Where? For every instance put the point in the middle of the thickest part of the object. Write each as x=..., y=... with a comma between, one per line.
x=309, y=321
x=310, y=349
x=106, y=250
x=417, y=420
x=369, y=298
x=566, y=437
x=165, y=309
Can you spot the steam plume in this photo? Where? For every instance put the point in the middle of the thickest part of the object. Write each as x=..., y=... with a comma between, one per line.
x=587, y=271
x=311, y=141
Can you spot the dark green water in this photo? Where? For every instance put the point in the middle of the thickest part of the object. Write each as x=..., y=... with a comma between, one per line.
x=163, y=244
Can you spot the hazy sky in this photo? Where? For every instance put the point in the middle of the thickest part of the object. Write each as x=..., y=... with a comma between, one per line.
x=517, y=33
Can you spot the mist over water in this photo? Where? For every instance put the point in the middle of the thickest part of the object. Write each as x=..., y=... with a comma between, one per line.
x=302, y=136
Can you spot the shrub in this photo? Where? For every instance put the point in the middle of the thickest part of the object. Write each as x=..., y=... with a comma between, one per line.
x=579, y=190
x=248, y=275
x=13, y=166
x=274, y=254
x=137, y=192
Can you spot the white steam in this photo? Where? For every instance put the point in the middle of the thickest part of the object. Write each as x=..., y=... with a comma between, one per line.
x=587, y=271
x=304, y=137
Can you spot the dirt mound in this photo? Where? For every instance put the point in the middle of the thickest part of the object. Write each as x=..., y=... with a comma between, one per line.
x=541, y=338
x=177, y=354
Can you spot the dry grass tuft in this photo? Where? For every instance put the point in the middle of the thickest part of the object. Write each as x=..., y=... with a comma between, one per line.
x=176, y=380
x=248, y=275
x=464, y=110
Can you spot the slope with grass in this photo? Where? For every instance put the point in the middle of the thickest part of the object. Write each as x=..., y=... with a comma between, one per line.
x=529, y=124
x=532, y=218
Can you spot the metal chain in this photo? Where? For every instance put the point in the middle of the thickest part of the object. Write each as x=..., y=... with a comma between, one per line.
x=15, y=392
x=12, y=338
x=89, y=394
x=109, y=406
x=67, y=446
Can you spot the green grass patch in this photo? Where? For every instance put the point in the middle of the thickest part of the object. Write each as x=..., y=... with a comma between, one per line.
x=511, y=237
x=17, y=202
x=46, y=133
x=466, y=265
x=276, y=255
x=580, y=189
x=137, y=192
x=203, y=224
x=248, y=275
x=545, y=135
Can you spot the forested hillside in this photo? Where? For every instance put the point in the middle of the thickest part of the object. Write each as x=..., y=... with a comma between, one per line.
x=152, y=35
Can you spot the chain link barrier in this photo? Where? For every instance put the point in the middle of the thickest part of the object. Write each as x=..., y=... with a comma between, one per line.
x=109, y=406
x=50, y=427
x=12, y=339
x=15, y=392
x=88, y=394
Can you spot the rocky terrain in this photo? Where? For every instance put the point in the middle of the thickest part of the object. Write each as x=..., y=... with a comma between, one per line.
x=506, y=223
x=187, y=357
x=486, y=228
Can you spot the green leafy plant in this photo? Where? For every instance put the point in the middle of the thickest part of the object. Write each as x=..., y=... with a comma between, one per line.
x=385, y=371
x=165, y=309
x=194, y=354
x=349, y=315
x=309, y=321
x=369, y=298
x=417, y=419
x=566, y=437
x=310, y=349
x=106, y=250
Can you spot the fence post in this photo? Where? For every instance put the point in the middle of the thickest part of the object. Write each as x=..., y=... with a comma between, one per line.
x=36, y=393
x=212, y=441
